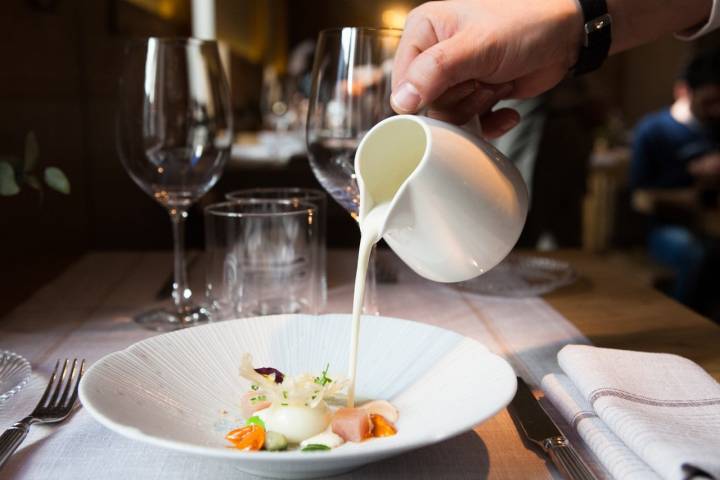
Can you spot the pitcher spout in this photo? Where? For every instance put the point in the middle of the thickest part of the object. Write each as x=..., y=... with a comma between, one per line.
x=387, y=157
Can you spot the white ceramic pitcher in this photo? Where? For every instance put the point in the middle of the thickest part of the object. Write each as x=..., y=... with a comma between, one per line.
x=457, y=204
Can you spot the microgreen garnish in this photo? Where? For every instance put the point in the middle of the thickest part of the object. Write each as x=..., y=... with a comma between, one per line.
x=268, y=384
x=315, y=447
x=259, y=398
x=323, y=379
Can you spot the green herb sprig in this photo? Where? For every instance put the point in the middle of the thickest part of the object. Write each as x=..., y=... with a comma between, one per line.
x=323, y=379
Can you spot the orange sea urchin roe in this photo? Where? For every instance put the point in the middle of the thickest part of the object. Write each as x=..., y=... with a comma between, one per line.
x=381, y=426
x=250, y=437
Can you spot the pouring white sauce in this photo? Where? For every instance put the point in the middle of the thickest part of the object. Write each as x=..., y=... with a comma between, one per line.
x=370, y=234
x=459, y=204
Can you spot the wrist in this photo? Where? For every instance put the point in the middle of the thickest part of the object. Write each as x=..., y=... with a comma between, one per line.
x=572, y=27
x=638, y=22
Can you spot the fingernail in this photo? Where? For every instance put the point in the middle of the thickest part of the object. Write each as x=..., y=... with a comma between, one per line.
x=406, y=98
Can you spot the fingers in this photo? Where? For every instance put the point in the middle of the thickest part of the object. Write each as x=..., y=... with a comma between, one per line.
x=497, y=123
x=418, y=36
x=466, y=100
x=430, y=73
x=459, y=92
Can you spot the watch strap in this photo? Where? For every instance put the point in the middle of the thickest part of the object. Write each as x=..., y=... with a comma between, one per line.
x=597, y=32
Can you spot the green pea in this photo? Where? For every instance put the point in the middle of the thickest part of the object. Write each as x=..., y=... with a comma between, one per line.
x=275, y=441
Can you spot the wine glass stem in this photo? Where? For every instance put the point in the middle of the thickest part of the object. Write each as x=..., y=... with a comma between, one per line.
x=181, y=293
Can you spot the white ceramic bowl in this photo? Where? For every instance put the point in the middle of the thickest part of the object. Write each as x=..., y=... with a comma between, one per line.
x=181, y=390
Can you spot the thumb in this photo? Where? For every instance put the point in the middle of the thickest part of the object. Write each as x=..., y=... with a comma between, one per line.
x=434, y=71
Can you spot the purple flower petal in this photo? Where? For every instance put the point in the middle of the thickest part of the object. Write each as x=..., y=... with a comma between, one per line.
x=269, y=370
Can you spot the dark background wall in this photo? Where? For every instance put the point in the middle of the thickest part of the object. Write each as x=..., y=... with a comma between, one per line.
x=61, y=64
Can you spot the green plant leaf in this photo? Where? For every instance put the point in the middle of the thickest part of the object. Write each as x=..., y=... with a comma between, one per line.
x=13, y=160
x=33, y=182
x=56, y=179
x=8, y=185
x=32, y=151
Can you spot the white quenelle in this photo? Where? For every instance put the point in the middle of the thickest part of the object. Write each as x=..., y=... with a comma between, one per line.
x=297, y=423
x=451, y=205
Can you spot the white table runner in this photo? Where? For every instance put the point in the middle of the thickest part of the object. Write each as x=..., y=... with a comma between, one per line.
x=87, y=313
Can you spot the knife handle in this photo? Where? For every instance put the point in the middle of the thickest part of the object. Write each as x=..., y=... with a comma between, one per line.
x=567, y=460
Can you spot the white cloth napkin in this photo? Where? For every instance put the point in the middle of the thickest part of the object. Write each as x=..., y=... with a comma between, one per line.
x=655, y=412
x=617, y=458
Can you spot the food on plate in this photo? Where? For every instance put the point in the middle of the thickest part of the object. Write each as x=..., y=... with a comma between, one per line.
x=327, y=438
x=382, y=407
x=296, y=422
x=292, y=412
x=275, y=441
x=381, y=427
x=250, y=437
x=352, y=424
x=249, y=404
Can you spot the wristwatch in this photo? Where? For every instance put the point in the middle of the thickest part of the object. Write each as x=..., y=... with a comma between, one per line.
x=597, y=36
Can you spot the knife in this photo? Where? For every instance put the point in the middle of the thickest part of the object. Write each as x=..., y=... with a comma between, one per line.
x=540, y=430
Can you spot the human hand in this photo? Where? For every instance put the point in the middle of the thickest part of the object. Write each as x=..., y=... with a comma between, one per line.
x=459, y=58
x=706, y=167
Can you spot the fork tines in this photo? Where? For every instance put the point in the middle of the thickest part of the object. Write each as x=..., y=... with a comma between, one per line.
x=66, y=382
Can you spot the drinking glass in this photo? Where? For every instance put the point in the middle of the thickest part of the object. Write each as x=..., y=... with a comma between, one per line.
x=262, y=257
x=317, y=199
x=174, y=136
x=350, y=93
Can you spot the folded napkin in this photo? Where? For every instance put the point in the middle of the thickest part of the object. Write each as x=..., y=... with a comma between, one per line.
x=640, y=412
x=617, y=458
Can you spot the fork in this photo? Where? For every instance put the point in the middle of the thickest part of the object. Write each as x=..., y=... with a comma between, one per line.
x=53, y=406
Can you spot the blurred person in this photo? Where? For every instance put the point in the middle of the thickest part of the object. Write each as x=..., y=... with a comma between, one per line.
x=674, y=176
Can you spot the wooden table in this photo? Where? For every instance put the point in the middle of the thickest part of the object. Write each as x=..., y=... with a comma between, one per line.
x=610, y=304
x=614, y=308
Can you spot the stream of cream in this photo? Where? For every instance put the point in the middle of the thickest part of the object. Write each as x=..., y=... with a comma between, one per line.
x=370, y=233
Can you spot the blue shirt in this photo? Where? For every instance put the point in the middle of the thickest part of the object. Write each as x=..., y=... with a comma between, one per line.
x=663, y=149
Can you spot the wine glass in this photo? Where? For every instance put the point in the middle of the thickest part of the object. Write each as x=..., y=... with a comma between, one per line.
x=350, y=93
x=174, y=136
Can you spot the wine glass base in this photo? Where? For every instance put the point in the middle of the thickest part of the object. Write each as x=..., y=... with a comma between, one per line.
x=167, y=319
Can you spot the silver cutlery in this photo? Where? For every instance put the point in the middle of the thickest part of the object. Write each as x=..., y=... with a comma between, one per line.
x=54, y=406
x=541, y=431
